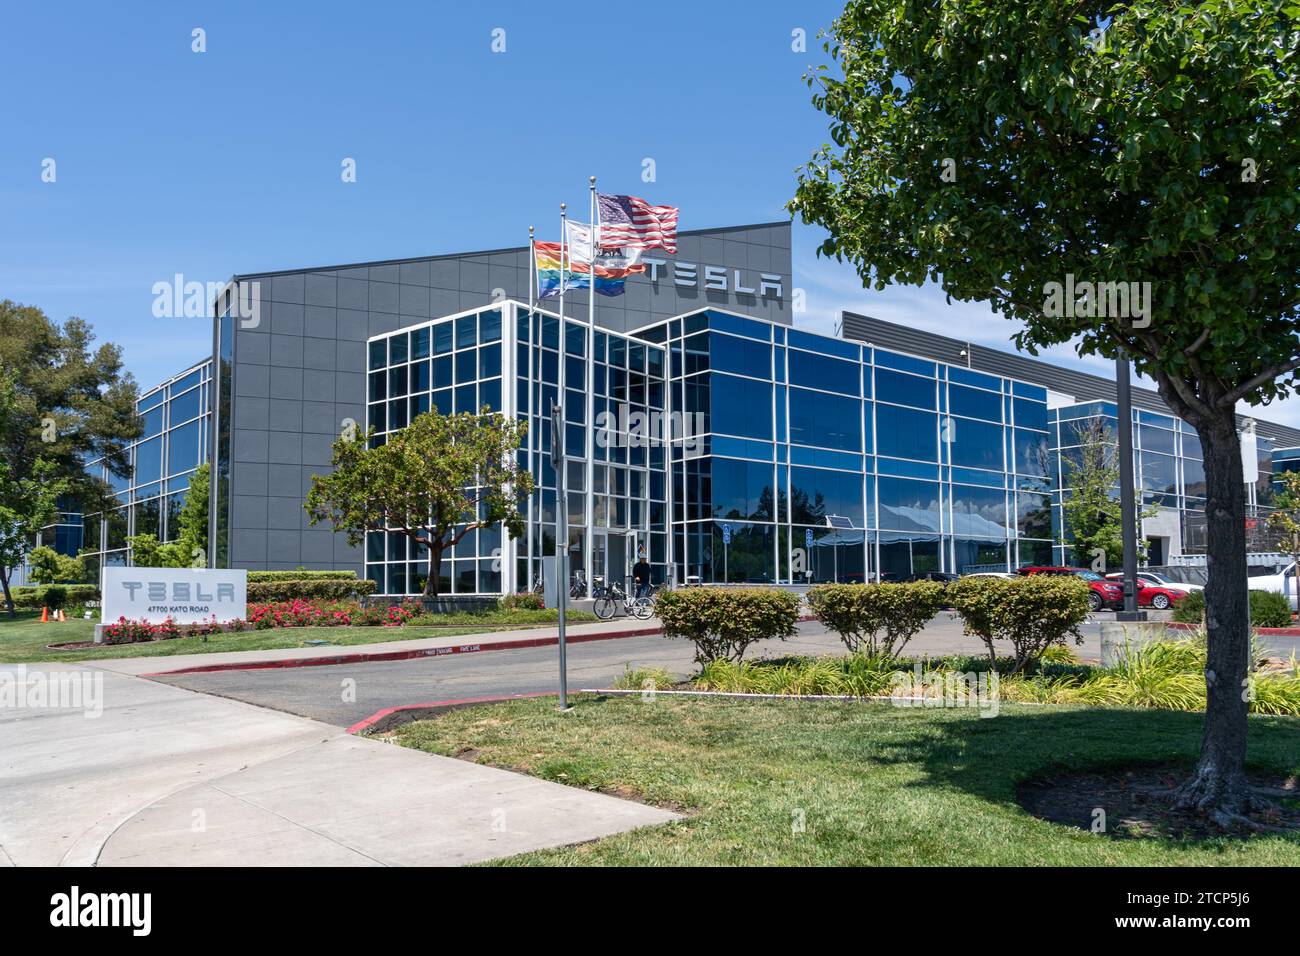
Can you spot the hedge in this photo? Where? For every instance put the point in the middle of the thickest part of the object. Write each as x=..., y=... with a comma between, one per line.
x=723, y=622
x=327, y=589
x=28, y=597
x=261, y=576
x=876, y=618
x=1267, y=609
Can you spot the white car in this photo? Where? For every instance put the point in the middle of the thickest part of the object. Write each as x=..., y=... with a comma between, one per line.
x=1151, y=579
x=992, y=574
x=1283, y=583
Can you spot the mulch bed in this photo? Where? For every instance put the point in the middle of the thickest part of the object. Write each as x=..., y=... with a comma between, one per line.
x=1133, y=811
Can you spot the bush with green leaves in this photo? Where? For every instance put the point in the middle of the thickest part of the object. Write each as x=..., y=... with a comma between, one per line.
x=310, y=589
x=723, y=622
x=35, y=598
x=878, y=619
x=1031, y=613
x=1267, y=609
x=522, y=601
x=47, y=566
x=301, y=574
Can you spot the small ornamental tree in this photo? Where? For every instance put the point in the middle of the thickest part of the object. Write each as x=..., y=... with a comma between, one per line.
x=1285, y=522
x=1118, y=174
x=878, y=619
x=435, y=481
x=1032, y=613
x=49, y=567
x=1091, y=512
x=723, y=622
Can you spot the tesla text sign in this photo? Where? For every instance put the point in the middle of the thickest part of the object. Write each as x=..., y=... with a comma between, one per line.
x=186, y=595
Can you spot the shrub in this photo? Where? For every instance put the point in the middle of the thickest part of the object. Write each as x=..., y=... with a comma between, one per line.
x=853, y=676
x=33, y=598
x=54, y=596
x=1191, y=609
x=301, y=575
x=49, y=567
x=643, y=678
x=1267, y=609
x=876, y=618
x=309, y=589
x=723, y=622
x=1032, y=613
x=523, y=601
x=299, y=613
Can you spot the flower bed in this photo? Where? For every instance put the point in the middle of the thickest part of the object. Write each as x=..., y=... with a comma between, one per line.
x=300, y=613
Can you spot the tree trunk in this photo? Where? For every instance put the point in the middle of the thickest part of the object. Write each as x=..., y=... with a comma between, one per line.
x=431, y=584
x=9, y=598
x=1218, y=788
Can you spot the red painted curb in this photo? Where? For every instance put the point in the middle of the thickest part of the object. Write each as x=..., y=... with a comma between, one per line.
x=381, y=715
x=400, y=655
x=1266, y=631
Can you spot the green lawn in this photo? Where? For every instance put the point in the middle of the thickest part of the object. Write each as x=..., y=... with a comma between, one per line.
x=876, y=784
x=24, y=640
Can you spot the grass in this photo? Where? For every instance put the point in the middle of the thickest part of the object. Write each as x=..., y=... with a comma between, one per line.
x=24, y=639
x=871, y=784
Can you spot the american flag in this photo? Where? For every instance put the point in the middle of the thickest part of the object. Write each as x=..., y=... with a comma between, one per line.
x=631, y=222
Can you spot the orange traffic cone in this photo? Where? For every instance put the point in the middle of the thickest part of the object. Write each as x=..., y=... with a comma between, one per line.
x=63, y=618
x=45, y=615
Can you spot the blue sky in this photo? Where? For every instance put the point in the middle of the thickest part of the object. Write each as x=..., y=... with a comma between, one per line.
x=209, y=164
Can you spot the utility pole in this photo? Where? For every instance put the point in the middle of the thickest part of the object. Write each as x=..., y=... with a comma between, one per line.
x=1127, y=502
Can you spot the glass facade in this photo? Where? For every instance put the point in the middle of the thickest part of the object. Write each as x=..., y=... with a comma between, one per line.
x=718, y=446
x=176, y=418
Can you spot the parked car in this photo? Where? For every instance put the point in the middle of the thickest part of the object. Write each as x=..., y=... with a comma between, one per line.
x=1153, y=580
x=1282, y=583
x=1005, y=575
x=943, y=577
x=1103, y=593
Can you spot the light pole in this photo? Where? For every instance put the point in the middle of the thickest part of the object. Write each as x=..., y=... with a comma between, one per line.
x=561, y=541
x=1127, y=502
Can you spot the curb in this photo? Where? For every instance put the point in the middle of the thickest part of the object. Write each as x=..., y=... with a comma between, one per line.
x=1265, y=631
x=370, y=658
x=390, y=717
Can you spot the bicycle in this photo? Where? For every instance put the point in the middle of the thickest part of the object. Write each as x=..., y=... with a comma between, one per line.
x=610, y=596
x=578, y=589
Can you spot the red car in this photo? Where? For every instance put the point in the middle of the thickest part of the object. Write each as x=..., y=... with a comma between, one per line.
x=1102, y=593
x=1150, y=593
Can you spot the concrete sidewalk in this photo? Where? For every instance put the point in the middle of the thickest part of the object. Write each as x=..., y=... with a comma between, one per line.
x=171, y=777
x=362, y=653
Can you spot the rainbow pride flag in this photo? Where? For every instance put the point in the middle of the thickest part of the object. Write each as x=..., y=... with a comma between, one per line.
x=552, y=278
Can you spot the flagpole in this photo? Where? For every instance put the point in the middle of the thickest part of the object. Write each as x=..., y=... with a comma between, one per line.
x=561, y=518
x=588, y=502
x=532, y=389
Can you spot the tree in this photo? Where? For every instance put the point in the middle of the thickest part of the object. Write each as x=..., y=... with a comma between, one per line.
x=1092, y=518
x=1285, y=520
x=49, y=567
x=190, y=547
x=63, y=405
x=1123, y=175
x=435, y=481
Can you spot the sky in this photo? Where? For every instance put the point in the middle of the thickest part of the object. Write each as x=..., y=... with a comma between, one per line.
x=466, y=123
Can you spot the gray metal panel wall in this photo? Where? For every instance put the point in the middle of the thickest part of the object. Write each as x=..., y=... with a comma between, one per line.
x=301, y=371
x=1081, y=385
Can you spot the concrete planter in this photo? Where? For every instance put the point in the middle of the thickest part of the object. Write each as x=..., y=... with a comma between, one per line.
x=1118, y=637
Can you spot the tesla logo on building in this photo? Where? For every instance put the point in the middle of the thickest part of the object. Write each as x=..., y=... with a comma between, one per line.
x=715, y=278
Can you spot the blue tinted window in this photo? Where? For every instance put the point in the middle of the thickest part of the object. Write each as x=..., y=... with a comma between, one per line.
x=1033, y=456
x=148, y=461
x=490, y=394
x=420, y=343
x=825, y=420
x=183, y=448
x=725, y=322
x=904, y=389
x=740, y=406
x=1022, y=390
x=965, y=376
x=907, y=505
x=904, y=363
x=442, y=377
x=822, y=344
x=975, y=403
x=818, y=371
x=1031, y=414
x=974, y=444
x=397, y=349
x=980, y=512
x=815, y=493
x=741, y=489
x=742, y=356
x=442, y=338
x=489, y=361
x=420, y=377
x=902, y=433
x=186, y=406
x=152, y=421
x=466, y=331
x=490, y=326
